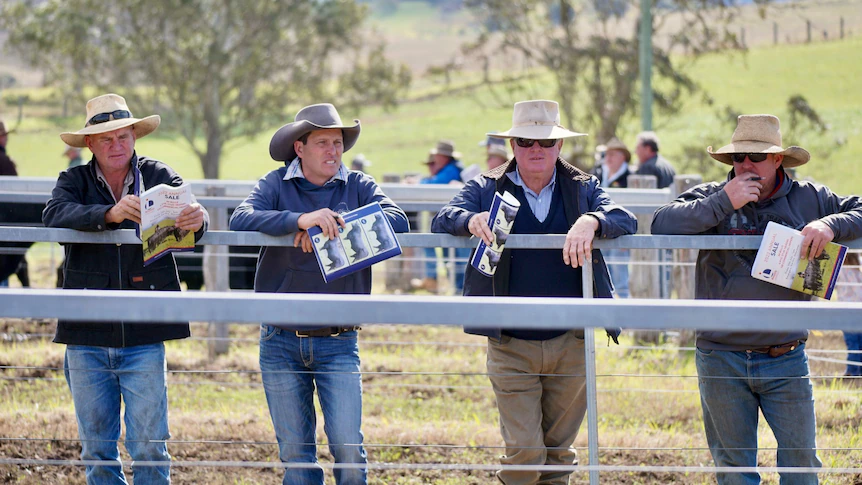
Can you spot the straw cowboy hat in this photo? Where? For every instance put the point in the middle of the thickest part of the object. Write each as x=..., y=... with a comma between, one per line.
x=536, y=120
x=615, y=144
x=322, y=116
x=3, y=128
x=110, y=112
x=444, y=147
x=759, y=134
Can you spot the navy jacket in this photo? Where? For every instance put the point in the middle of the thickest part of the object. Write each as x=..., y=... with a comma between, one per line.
x=274, y=207
x=80, y=201
x=581, y=194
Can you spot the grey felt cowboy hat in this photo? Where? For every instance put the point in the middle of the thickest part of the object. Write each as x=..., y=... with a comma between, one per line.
x=759, y=134
x=315, y=117
x=445, y=148
x=110, y=112
x=536, y=120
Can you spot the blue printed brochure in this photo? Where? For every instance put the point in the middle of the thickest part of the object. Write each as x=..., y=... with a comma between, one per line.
x=779, y=262
x=367, y=238
x=501, y=219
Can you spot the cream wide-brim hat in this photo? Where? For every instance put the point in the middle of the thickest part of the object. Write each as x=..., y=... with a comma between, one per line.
x=108, y=103
x=759, y=134
x=536, y=120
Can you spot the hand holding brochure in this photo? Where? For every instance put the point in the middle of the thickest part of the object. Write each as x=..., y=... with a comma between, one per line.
x=502, y=218
x=367, y=238
x=778, y=262
x=160, y=207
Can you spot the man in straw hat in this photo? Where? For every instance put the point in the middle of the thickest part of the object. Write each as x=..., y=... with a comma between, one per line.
x=613, y=171
x=311, y=189
x=110, y=362
x=540, y=413
x=743, y=372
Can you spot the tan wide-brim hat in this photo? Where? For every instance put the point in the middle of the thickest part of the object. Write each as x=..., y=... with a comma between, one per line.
x=498, y=150
x=759, y=134
x=445, y=148
x=322, y=116
x=536, y=120
x=616, y=144
x=108, y=104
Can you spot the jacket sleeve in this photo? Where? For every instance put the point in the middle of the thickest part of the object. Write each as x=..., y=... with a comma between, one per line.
x=614, y=220
x=454, y=216
x=696, y=211
x=66, y=208
x=844, y=214
x=258, y=212
x=371, y=192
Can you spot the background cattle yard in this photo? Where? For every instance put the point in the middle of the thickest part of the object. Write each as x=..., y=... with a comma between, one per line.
x=426, y=397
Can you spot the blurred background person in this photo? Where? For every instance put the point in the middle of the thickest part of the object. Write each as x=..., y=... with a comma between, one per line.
x=360, y=163
x=613, y=171
x=850, y=289
x=74, y=156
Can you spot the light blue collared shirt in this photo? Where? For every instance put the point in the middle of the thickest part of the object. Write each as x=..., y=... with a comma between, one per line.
x=540, y=203
x=294, y=170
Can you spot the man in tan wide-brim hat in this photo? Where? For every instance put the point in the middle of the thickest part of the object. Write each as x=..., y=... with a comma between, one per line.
x=312, y=189
x=537, y=373
x=110, y=362
x=742, y=374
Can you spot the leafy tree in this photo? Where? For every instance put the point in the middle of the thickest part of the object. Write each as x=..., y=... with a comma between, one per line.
x=214, y=69
x=590, y=47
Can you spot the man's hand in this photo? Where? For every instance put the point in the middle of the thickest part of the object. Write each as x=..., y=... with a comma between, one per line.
x=327, y=219
x=478, y=226
x=817, y=234
x=302, y=240
x=578, y=248
x=191, y=218
x=743, y=188
x=129, y=207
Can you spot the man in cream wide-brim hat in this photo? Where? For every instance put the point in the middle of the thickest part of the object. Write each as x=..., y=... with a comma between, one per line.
x=110, y=362
x=741, y=374
x=539, y=415
x=313, y=188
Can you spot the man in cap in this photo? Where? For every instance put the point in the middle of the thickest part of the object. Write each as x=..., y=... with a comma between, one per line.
x=312, y=189
x=110, y=362
x=650, y=162
x=613, y=171
x=495, y=151
x=360, y=163
x=538, y=373
x=74, y=156
x=741, y=373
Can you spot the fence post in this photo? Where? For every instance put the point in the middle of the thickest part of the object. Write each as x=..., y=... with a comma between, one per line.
x=590, y=371
x=842, y=28
x=216, y=269
x=775, y=33
x=684, y=276
x=808, y=30
x=742, y=36
x=644, y=278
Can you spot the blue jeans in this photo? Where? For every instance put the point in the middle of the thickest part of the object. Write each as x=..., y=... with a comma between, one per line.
x=733, y=385
x=99, y=377
x=291, y=366
x=854, y=342
x=461, y=255
x=619, y=271
x=430, y=263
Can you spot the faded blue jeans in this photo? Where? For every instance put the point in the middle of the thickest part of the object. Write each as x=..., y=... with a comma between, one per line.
x=733, y=386
x=618, y=266
x=854, y=343
x=291, y=367
x=99, y=377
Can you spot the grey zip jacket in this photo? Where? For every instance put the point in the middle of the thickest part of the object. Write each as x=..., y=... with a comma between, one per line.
x=726, y=274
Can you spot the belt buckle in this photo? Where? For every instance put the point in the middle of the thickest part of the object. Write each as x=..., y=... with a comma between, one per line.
x=300, y=335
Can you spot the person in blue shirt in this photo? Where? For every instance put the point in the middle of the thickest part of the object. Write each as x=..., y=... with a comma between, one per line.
x=313, y=188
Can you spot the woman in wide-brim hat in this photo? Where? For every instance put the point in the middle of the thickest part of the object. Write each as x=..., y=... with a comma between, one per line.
x=107, y=113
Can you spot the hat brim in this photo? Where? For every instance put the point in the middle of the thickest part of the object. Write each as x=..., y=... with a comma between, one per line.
x=281, y=145
x=143, y=127
x=793, y=156
x=537, y=132
x=434, y=151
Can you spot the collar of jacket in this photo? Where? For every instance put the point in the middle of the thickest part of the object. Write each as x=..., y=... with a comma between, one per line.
x=564, y=169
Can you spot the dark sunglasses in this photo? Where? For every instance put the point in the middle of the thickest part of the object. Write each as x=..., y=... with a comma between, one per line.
x=105, y=117
x=754, y=157
x=527, y=143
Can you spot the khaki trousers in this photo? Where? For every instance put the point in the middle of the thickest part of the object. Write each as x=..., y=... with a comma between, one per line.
x=539, y=414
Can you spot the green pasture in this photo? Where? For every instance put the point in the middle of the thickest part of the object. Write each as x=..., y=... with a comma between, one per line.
x=759, y=81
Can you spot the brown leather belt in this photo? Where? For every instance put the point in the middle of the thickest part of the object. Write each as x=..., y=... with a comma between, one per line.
x=325, y=332
x=777, y=350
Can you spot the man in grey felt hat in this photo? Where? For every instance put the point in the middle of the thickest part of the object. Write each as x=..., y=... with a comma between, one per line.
x=312, y=189
x=743, y=373
x=538, y=373
x=112, y=362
